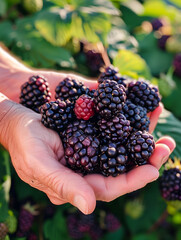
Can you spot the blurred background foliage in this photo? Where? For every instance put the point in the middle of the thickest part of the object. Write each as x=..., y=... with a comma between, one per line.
x=82, y=36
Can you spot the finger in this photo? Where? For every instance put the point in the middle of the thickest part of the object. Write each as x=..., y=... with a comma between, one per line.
x=70, y=186
x=108, y=189
x=170, y=142
x=92, y=84
x=56, y=201
x=160, y=155
x=154, y=116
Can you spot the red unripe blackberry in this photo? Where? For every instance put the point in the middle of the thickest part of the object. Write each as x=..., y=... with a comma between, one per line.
x=109, y=98
x=35, y=92
x=137, y=116
x=3, y=231
x=140, y=147
x=81, y=152
x=84, y=107
x=113, y=159
x=170, y=184
x=162, y=41
x=116, y=129
x=111, y=73
x=69, y=89
x=57, y=114
x=177, y=64
x=144, y=94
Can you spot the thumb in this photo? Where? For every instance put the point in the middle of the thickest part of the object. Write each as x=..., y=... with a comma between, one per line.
x=70, y=187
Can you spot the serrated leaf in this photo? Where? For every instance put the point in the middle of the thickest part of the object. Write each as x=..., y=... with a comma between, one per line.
x=170, y=126
x=131, y=64
x=54, y=24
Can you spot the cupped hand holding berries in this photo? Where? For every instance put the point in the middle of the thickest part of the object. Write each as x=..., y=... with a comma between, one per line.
x=38, y=157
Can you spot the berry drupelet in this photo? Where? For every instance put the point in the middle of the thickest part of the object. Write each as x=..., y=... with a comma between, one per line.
x=140, y=146
x=81, y=152
x=116, y=129
x=35, y=92
x=70, y=89
x=144, y=94
x=111, y=73
x=57, y=114
x=84, y=107
x=137, y=116
x=113, y=159
x=109, y=98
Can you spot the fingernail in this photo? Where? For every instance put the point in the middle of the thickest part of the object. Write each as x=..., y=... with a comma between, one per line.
x=81, y=204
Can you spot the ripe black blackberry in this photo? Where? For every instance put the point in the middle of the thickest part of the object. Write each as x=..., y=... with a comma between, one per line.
x=112, y=223
x=109, y=98
x=140, y=147
x=111, y=73
x=144, y=94
x=116, y=129
x=86, y=127
x=25, y=221
x=35, y=92
x=162, y=41
x=113, y=159
x=177, y=64
x=81, y=152
x=57, y=114
x=70, y=89
x=3, y=231
x=137, y=116
x=94, y=61
x=170, y=181
x=157, y=23
x=72, y=225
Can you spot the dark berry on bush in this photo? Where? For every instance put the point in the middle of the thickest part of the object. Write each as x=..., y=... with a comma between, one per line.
x=32, y=236
x=177, y=64
x=57, y=114
x=140, y=147
x=112, y=222
x=144, y=94
x=116, y=129
x=69, y=89
x=35, y=92
x=25, y=220
x=111, y=73
x=72, y=225
x=109, y=98
x=137, y=116
x=81, y=152
x=162, y=41
x=113, y=159
x=3, y=231
x=157, y=23
x=84, y=107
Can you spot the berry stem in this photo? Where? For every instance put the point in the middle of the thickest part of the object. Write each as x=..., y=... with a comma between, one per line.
x=158, y=222
x=104, y=54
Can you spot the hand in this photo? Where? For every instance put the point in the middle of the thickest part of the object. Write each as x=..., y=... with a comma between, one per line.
x=37, y=155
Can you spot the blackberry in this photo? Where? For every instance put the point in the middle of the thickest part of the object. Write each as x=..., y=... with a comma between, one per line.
x=72, y=225
x=109, y=98
x=162, y=41
x=116, y=129
x=84, y=107
x=177, y=64
x=137, y=116
x=26, y=219
x=157, y=23
x=144, y=94
x=86, y=127
x=70, y=89
x=111, y=222
x=81, y=152
x=94, y=61
x=35, y=92
x=86, y=222
x=32, y=236
x=3, y=231
x=113, y=159
x=111, y=73
x=57, y=114
x=140, y=147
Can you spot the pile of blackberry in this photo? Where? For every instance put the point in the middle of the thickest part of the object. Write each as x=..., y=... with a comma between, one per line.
x=103, y=131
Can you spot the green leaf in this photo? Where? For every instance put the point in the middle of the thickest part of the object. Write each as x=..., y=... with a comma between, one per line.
x=157, y=8
x=117, y=235
x=170, y=126
x=3, y=7
x=6, y=32
x=131, y=64
x=56, y=228
x=176, y=3
x=152, y=236
x=3, y=205
x=54, y=24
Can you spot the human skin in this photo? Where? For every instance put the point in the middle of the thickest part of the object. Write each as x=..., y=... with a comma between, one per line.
x=37, y=153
